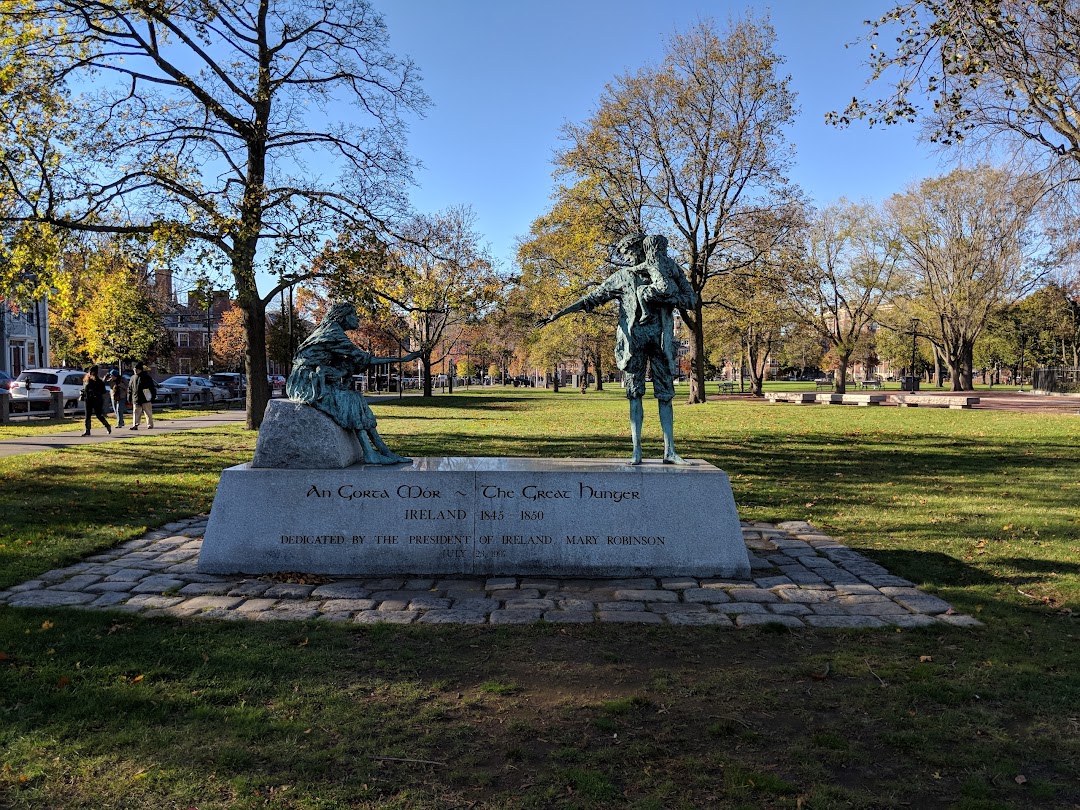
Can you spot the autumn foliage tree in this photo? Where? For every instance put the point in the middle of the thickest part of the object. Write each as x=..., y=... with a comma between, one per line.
x=695, y=146
x=193, y=125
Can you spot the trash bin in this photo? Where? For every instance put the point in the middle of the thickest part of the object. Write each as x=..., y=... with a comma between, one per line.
x=909, y=384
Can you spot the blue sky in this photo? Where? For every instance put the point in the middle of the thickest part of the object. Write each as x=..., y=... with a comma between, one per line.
x=504, y=75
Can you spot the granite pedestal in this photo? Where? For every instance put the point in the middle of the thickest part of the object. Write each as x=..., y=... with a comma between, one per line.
x=498, y=516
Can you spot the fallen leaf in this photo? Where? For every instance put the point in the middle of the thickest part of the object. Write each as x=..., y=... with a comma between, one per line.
x=925, y=659
x=1020, y=779
x=3, y=656
x=137, y=678
x=303, y=643
x=47, y=625
x=64, y=681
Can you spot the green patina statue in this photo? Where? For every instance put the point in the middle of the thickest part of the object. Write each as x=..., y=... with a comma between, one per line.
x=322, y=377
x=648, y=290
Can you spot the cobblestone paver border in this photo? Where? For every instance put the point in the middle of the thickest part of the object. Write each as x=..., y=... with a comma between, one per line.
x=800, y=578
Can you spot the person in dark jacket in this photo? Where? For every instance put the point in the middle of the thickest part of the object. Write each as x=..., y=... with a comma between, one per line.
x=143, y=394
x=94, y=399
x=118, y=389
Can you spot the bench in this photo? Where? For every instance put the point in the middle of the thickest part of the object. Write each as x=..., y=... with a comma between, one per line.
x=915, y=400
x=823, y=384
x=725, y=388
x=865, y=385
x=794, y=397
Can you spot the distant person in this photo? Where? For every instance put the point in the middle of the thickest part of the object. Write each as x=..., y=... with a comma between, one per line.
x=93, y=395
x=118, y=390
x=143, y=394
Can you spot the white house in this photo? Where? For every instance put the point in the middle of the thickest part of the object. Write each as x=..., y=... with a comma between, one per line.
x=24, y=336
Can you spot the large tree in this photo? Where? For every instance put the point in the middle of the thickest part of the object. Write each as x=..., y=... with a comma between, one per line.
x=970, y=242
x=695, y=145
x=849, y=269
x=243, y=131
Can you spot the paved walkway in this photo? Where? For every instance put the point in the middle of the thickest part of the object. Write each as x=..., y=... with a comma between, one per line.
x=800, y=578
x=72, y=438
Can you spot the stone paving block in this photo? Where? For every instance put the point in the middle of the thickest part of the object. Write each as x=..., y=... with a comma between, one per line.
x=288, y=591
x=728, y=583
x=620, y=606
x=915, y=600
x=500, y=583
x=386, y=617
x=754, y=595
x=200, y=603
x=959, y=620
x=678, y=584
x=429, y=603
x=569, y=617
x=384, y=584
x=706, y=595
x=393, y=605
x=29, y=585
x=876, y=609
x=647, y=596
x=786, y=609
x=335, y=616
x=638, y=584
x=576, y=605
x=911, y=620
x=773, y=582
x=758, y=564
x=529, y=604
x=153, y=601
x=752, y=619
x=539, y=584
x=888, y=580
x=251, y=587
x=76, y=583
x=452, y=617
x=287, y=612
x=109, y=587
x=850, y=600
x=519, y=616
x=341, y=590
x=206, y=589
x=695, y=618
x=852, y=622
x=805, y=596
x=475, y=605
x=126, y=575
x=830, y=609
x=858, y=589
x=51, y=598
x=108, y=600
x=158, y=584
x=806, y=578
x=740, y=608
x=177, y=556
x=256, y=605
x=346, y=605
x=628, y=617
x=419, y=584
x=677, y=607
x=518, y=593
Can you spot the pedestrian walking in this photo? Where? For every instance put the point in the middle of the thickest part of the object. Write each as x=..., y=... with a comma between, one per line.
x=93, y=395
x=143, y=394
x=118, y=389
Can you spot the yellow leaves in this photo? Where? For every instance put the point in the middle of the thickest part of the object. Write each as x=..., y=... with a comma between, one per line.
x=47, y=625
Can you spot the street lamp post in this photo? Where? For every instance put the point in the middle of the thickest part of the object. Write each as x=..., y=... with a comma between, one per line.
x=914, y=337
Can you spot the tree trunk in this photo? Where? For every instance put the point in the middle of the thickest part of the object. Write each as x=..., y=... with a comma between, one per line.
x=967, y=368
x=840, y=381
x=555, y=379
x=597, y=364
x=697, y=356
x=939, y=380
x=425, y=363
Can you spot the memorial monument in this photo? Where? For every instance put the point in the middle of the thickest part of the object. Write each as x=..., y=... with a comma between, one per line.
x=325, y=495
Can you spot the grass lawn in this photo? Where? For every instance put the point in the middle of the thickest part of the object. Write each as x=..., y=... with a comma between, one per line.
x=981, y=507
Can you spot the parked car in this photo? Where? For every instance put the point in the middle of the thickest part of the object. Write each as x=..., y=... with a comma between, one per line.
x=277, y=384
x=35, y=387
x=235, y=384
x=192, y=389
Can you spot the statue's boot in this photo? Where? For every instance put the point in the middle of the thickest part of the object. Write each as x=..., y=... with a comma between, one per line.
x=371, y=455
x=667, y=425
x=637, y=416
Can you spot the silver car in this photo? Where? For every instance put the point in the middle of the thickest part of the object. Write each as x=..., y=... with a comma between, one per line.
x=192, y=389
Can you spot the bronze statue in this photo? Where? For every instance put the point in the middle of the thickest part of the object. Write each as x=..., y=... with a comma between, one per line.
x=648, y=289
x=322, y=377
